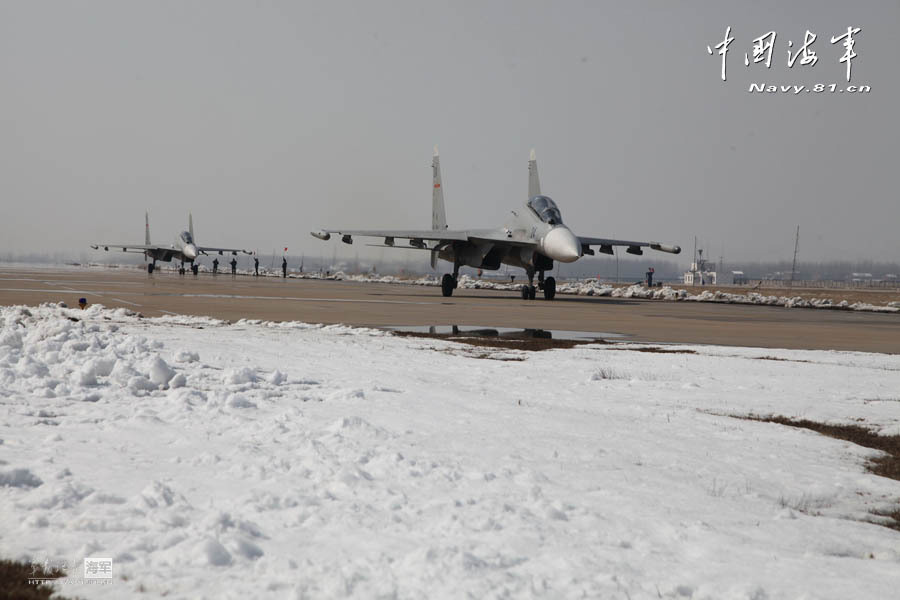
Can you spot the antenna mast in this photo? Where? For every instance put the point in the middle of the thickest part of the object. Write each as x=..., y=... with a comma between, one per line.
x=796, y=249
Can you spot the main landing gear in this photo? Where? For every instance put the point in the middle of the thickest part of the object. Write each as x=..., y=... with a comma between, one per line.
x=195, y=269
x=181, y=270
x=450, y=282
x=529, y=292
x=151, y=267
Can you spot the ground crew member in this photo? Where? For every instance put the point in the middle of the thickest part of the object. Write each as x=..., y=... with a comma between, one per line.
x=256, y=266
x=284, y=267
x=233, y=267
x=215, y=266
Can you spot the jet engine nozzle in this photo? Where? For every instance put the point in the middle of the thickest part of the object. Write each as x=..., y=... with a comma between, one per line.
x=561, y=244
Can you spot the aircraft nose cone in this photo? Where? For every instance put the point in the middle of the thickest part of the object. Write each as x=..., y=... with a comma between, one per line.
x=562, y=245
x=190, y=252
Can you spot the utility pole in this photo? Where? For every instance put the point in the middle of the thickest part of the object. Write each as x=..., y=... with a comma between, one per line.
x=796, y=249
x=617, y=264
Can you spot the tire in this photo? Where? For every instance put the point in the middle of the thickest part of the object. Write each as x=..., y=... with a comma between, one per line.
x=524, y=292
x=195, y=269
x=532, y=292
x=150, y=268
x=549, y=288
x=447, y=285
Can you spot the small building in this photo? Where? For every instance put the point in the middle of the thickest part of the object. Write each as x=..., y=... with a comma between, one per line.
x=699, y=274
x=738, y=278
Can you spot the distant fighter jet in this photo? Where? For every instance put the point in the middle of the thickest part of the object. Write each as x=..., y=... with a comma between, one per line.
x=532, y=239
x=184, y=248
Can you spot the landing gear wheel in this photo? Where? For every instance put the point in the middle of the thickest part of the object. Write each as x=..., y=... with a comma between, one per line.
x=532, y=292
x=150, y=268
x=549, y=288
x=447, y=284
x=195, y=269
x=524, y=292
x=181, y=271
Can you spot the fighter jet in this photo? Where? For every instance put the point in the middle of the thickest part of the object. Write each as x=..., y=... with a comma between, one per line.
x=532, y=239
x=184, y=248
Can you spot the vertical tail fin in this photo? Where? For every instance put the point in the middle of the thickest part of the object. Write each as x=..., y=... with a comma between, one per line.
x=191, y=226
x=147, y=228
x=438, y=215
x=534, y=183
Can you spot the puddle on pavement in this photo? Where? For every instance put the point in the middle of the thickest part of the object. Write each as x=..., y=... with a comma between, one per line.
x=507, y=337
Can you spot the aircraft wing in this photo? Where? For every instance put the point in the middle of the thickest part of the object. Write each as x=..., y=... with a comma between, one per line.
x=208, y=249
x=440, y=236
x=607, y=244
x=133, y=247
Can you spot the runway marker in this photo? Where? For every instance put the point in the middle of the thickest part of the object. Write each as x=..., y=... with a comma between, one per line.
x=168, y=312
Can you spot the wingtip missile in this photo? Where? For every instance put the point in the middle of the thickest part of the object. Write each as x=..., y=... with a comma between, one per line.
x=666, y=248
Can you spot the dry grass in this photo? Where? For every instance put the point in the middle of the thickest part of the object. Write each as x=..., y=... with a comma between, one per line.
x=886, y=465
x=655, y=350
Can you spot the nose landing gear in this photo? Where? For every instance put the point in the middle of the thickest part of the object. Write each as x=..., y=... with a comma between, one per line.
x=529, y=292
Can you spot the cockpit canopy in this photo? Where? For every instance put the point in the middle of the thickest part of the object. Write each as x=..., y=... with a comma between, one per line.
x=545, y=208
x=186, y=237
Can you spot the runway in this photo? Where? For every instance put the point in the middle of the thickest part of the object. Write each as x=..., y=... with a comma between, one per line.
x=381, y=305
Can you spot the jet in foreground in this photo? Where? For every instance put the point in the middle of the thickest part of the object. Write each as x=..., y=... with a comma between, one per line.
x=532, y=239
x=184, y=248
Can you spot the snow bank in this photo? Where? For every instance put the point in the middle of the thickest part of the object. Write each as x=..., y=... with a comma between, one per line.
x=595, y=288
x=290, y=460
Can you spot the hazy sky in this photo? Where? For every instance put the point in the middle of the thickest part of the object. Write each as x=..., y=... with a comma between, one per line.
x=268, y=119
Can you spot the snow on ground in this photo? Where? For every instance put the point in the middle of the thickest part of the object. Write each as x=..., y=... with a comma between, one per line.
x=289, y=460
